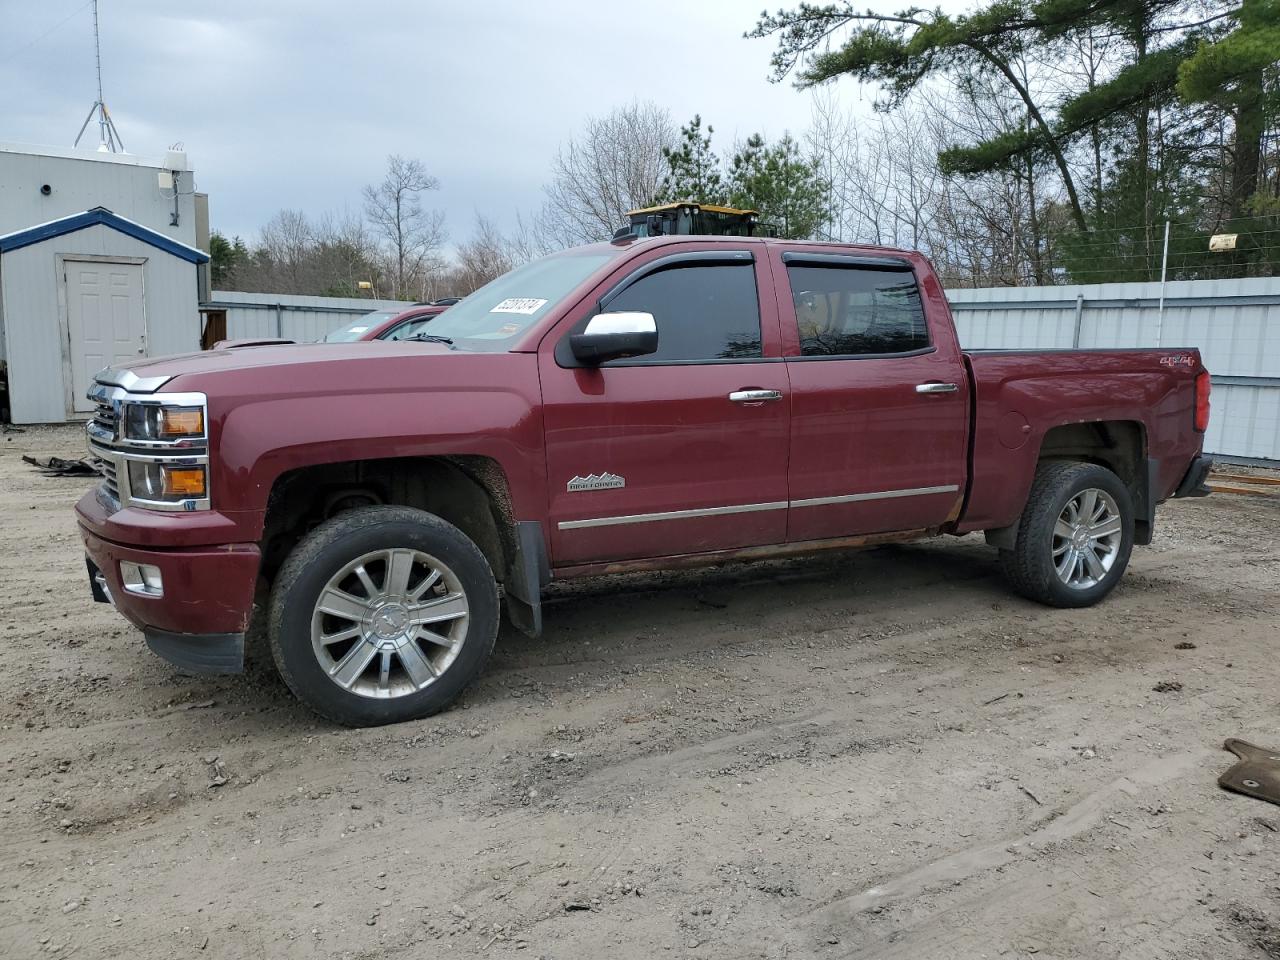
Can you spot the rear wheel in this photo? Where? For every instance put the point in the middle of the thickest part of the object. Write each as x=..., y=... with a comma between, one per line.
x=1074, y=536
x=382, y=614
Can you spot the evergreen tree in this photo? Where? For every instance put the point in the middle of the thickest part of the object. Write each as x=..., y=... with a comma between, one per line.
x=781, y=184
x=1183, y=76
x=694, y=172
x=1230, y=70
x=224, y=256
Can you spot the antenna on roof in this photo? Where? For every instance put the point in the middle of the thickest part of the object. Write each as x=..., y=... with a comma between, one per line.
x=108, y=138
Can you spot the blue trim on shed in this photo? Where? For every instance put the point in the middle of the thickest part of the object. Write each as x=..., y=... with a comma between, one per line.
x=78, y=221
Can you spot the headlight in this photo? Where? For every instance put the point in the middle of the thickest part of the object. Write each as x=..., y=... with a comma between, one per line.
x=156, y=422
x=167, y=482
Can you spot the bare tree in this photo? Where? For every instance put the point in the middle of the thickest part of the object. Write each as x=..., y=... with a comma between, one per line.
x=412, y=234
x=284, y=243
x=486, y=255
x=888, y=188
x=615, y=165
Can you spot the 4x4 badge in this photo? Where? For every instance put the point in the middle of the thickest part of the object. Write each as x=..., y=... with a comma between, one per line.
x=596, y=481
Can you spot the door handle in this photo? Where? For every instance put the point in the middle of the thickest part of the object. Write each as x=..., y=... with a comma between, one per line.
x=755, y=396
x=936, y=388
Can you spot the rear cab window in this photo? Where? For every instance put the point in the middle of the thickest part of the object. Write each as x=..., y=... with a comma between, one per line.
x=854, y=307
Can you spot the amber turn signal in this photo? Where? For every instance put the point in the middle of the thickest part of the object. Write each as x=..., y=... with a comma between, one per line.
x=183, y=481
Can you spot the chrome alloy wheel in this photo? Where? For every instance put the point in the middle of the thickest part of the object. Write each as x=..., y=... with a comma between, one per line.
x=1086, y=539
x=389, y=623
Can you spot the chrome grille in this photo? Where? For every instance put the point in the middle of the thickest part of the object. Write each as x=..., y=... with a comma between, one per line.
x=110, y=486
x=104, y=415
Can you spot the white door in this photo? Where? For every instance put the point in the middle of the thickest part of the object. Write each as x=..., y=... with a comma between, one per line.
x=106, y=321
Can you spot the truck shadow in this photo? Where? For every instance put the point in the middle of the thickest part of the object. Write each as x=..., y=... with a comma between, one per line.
x=684, y=611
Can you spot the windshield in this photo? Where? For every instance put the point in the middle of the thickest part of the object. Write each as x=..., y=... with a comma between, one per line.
x=486, y=321
x=357, y=328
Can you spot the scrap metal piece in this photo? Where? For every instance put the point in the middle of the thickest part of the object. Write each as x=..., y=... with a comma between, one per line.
x=1257, y=774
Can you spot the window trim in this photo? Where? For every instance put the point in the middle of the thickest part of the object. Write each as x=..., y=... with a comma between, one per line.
x=861, y=263
x=688, y=258
x=702, y=258
x=919, y=352
x=846, y=260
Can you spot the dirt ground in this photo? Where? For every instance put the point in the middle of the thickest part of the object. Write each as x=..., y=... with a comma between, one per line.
x=878, y=755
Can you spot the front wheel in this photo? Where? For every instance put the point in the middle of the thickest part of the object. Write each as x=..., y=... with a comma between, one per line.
x=1074, y=537
x=382, y=614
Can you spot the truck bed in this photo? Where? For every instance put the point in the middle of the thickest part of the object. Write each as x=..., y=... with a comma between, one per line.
x=1028, y=400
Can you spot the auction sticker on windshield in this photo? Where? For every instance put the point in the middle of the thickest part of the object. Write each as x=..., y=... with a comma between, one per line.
x=527, y=306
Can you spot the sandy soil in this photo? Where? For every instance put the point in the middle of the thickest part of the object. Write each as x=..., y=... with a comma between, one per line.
x=880, y=755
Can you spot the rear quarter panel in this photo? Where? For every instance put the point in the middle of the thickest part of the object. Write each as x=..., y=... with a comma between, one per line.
x=1019, y=396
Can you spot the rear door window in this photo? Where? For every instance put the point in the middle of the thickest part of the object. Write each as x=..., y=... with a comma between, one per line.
x=703, y=312
x=851, y=311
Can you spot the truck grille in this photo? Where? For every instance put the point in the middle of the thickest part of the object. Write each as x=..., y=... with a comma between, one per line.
x=104, y=415
x=110, y=486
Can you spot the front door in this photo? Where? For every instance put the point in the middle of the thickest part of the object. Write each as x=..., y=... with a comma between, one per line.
x=106, y=320
x=880, y=400
x=670, y=454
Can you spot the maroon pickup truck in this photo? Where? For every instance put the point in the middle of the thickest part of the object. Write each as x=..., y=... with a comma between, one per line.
x=643, y=404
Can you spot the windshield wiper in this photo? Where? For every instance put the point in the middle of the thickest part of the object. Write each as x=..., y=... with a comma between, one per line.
x=431, y=338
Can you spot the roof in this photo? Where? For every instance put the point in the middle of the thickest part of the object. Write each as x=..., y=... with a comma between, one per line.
x=100, y=215
x=91, y=154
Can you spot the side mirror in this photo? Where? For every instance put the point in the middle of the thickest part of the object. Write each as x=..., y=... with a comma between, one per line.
x=614, y=336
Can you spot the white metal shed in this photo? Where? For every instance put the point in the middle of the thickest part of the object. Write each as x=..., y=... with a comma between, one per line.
x=85, y=292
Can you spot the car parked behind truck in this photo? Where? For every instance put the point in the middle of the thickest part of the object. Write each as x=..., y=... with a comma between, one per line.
x=642, y=404
x=389, y=324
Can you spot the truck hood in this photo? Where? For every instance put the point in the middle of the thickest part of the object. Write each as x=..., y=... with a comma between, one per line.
x=196, y=371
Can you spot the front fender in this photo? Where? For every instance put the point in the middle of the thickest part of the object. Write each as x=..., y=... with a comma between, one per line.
x=486, y=405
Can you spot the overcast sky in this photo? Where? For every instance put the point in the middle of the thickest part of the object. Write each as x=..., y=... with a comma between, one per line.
x=283, y=103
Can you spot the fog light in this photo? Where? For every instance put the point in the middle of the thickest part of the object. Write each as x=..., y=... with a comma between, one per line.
x=141, y=578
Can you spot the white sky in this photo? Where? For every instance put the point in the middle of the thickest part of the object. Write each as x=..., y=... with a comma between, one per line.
x=296, y=103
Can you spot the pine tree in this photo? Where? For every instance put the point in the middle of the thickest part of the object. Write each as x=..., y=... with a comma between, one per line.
x=780, y=184
x=694, y=170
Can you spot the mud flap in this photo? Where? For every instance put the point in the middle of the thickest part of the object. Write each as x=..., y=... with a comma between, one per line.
x=528, y=574
x=1144, y=504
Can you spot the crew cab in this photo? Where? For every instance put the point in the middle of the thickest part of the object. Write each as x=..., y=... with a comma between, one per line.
x=647, y=403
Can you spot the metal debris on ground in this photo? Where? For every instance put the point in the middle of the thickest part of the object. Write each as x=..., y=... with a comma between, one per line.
x=57, y=467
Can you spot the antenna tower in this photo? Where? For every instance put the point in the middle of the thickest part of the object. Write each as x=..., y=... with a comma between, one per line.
x=108, y=138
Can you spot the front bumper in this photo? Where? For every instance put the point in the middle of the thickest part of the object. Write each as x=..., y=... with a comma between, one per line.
x=1194, y=481
x=200, y=620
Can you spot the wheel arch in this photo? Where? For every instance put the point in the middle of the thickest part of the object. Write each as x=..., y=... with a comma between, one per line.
x=1118, y=445
x=470, y=492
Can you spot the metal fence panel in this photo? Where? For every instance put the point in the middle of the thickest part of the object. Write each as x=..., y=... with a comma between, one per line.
x=300, y=318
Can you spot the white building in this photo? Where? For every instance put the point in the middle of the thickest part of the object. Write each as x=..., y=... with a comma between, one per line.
x=102, y=258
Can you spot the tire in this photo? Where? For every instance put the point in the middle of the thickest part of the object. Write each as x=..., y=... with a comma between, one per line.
x=1033, y=567
x=346, y=592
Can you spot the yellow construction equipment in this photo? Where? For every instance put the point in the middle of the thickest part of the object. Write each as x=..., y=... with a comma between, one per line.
x=690, y=218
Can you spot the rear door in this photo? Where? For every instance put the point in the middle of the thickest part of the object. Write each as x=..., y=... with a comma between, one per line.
x=668, y=454
x=879, y=396
x=106, y=320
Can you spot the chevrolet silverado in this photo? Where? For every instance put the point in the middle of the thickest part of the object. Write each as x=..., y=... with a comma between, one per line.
x=641, y=404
